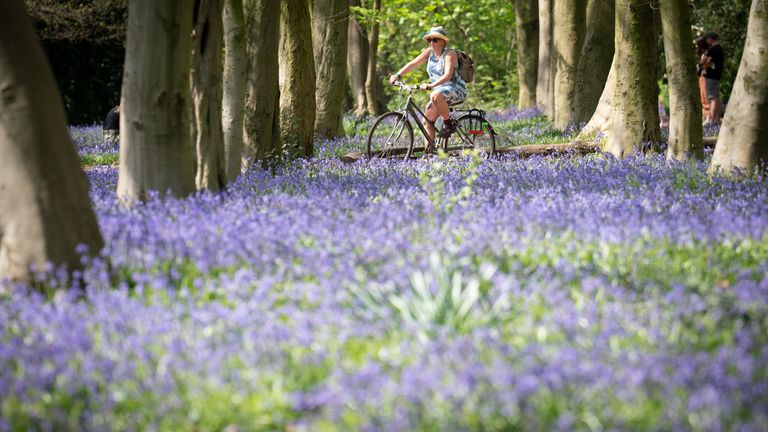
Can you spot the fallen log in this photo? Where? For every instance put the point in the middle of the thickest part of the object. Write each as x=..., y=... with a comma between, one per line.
x=529, y=150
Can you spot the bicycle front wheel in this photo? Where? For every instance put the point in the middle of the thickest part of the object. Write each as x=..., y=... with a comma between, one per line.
x=391, y=136
x=473, y=132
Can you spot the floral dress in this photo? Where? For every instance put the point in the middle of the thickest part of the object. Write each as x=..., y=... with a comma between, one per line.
x=455, y=90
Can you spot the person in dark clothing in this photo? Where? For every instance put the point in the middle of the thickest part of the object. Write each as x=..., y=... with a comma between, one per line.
x=713, y=61
x=111, y=126
x=701, y=48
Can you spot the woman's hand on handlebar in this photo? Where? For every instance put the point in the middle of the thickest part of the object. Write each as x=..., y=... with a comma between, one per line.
x=425, y=86
x=394, y=78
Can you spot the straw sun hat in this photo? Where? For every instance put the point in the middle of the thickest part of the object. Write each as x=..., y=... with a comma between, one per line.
x=436, y=32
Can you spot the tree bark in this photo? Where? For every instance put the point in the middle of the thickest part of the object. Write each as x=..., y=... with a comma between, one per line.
x=544, y=93
x=635, y=118
x=595, y=59
x=601, y=119
x=262, y=109
x=527, y=29
x=569, y=25
x=235, y=76
x=372, y=84
x=685, y=132
x=45, y=210
x=206, y=86
x=357, y=62
x=297, y=79
x=330, y=22
x=742, y=144
x=156, y=152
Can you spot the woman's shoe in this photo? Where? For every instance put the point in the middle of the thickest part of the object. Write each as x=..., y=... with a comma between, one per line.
x=449, y=127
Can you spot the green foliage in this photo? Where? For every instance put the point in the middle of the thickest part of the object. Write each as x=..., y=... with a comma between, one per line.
x=485, y=30
x=94, y=21
x=433, y=181
x=443, y=295
x=91, y=160
x=729, y=20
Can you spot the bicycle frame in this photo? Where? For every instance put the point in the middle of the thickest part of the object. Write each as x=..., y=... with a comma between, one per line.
x=410, y=109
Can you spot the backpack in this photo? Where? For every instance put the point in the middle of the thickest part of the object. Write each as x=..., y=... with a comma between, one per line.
x=466, y=69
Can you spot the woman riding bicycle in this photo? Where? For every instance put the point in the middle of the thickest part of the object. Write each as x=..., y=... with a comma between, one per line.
x=449, y=88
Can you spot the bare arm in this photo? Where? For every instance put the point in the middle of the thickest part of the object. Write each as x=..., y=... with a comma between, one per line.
x=411, y=65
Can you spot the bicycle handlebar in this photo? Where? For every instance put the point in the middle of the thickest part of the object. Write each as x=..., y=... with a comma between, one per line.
x=402, y=84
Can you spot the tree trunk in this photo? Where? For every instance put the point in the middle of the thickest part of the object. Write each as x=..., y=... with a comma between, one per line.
x=372, y=85
x=601, y=118
x=297, y=79
x=235, y=76
x=635, y=117
x=595, y=59
x=156, y=152
x=262, y=121
x=206, y=84
x=569, y=24
x=45, y=210
x=329, y=39
x=742, y=144
x=527, y=29
x=357, y=62
x=544, y=93
x=685, y=133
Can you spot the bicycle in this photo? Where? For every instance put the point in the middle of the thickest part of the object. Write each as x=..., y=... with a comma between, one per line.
x=392, y=133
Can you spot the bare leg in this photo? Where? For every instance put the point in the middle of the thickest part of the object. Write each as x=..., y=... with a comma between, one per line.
x=715, y=110
x=429, y=122
x=438, y=101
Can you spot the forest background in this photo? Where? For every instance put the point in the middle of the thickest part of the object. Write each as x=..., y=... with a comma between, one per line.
x=85, y=45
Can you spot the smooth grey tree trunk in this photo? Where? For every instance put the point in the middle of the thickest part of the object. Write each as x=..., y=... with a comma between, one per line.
x=600, y=122
x=262, y=104
x=357, y=62
x=45, y=210
x=206, y=85
x=544, y=93
x=595, y=59
x=330, y=21
x=156, y=150
x=635, y=118
x=527, y=30
x=569, y=26
x=297, y=79
x=372, y=85
x=742, y=144
x=685, y=132
x=235, y=77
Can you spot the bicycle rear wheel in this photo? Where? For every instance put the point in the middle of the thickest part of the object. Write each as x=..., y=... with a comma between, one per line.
x=391, y=136
x=473, y=131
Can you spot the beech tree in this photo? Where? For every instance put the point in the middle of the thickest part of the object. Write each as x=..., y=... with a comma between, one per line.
x=595, y=60
x=233, y=97
x=330, y=20
x=569, y=24
x=372, y=82
x=527, y=30
x=297, y=78
x=635, y=117
x=262, y=106
x=742, y=144
x=206, y=85
x=156, y=151
x=45, y=209
x=544, y=94
x=357, y=62
x=600, y=122
x=685, y=132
